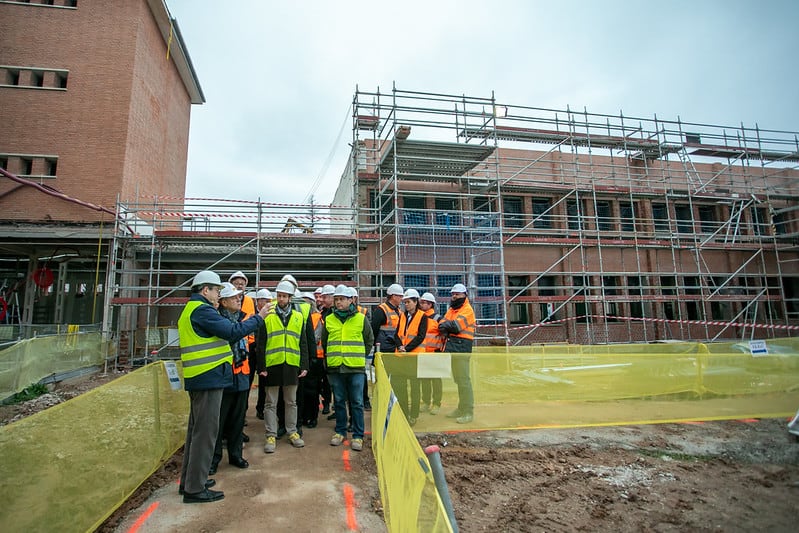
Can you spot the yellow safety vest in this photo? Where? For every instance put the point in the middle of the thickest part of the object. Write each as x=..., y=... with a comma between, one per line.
x=199, y=354
x=283, y=342
x=345, y=341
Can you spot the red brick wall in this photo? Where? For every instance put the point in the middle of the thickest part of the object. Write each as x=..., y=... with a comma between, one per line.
x=122, y=122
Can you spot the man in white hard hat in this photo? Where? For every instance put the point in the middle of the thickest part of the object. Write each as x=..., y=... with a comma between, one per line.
x=457, y=327
x=207, y=370
x=385, y=320
x=286, y=361
x=309, y=415
x=240, y=281
x=347, y=339
x=325, y=308
x=432, y=388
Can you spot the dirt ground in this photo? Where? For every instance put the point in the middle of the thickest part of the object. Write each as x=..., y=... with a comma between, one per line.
x=711, y=476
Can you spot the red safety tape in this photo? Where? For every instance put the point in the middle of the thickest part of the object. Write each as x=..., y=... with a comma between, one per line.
x=252, y=202
x=660, y=320
x=176, y=214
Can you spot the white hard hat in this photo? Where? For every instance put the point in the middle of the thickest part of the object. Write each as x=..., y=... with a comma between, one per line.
x=285, y=287
x=353, y=292
x=459, y=287
x=290, y=279
x=238, y=274
x=318, y=290
x=263, y=294
x=206, y=277
x=297, y=293
x=342, y=290
x=393, y=289
x=428, y=297
x=228, y=290
x=308, y=296
x=328, y=289
x=411, y=293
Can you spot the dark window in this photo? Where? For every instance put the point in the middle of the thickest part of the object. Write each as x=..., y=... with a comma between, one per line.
x=682, y=213
x=541, y=206
x=693, y=310
x=61, y=80
x=660, y=216
x=420, y=282
x=447, y=212
x=483, y=204
x=635, y=290
x=668, y=311
x=667, y=285
x=629, y=213
x=4, y=162
x=759, y=221
x=413, y=210
x=574, y=211
x=518, y=313
x=516, y=284
x=692, y=285
x=51, y=166
x=446, y=281
x=720, y=310
x=514, y=211
x=611, y=284
x=781, y=223
x=547, y=311
x=12, y=77
x=489, y=288
x=581, y=312
x=25, y=166
x=604, y=216
x=37, y=78
x=546, y=286
x=707, y=218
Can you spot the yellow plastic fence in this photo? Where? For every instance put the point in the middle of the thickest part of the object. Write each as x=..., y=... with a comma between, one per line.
x=30, y=360
x=407, y=489
x=568, y=385
x=571, y=385
x=67, y=468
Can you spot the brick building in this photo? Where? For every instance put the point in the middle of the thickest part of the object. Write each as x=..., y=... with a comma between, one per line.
x=96, y=99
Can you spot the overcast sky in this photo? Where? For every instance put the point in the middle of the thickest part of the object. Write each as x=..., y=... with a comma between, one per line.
x=279, y=77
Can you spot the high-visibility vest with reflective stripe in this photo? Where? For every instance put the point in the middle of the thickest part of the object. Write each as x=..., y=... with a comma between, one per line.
x=318, y=325
x=464, y=317
x=433, y=341
x=389, y=328
x=199, y=354
x=362, y=310
x=248, y=308
x=345, y=341
x=283, y=342
x=408, y=331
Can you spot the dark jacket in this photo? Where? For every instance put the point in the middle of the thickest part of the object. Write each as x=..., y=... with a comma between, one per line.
x=207, y=322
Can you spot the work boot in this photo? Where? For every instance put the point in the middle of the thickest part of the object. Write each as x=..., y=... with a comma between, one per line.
x=269, y=447
x=207, y=495
x=356, y=445
x=296, y=440
x=454, y=414
x=435, y=409
x=337, y=440
x=465, y=419
x=424, y=408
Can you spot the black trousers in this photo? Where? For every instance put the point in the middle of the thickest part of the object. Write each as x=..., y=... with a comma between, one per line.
x=231, y=425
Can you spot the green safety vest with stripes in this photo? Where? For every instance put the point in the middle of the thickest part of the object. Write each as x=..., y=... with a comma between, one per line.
x=283, y=342
x=199, y=354
x=345, y=341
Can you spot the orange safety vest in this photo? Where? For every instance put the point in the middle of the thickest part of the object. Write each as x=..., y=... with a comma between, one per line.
x=464, y=317
x=407, y=331
x=248, y=308
x=433, y=341
x=318, y=326
x=362, y=310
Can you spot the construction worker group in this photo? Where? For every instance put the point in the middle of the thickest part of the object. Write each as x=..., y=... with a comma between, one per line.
x=305, y=348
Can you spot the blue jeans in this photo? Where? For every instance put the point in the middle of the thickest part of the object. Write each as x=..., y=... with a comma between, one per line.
x=348, y=388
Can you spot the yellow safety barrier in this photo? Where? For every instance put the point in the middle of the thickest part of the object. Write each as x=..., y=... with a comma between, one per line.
x=566, y=386
x=31, y=360
x=407, y=488
x=69, y=467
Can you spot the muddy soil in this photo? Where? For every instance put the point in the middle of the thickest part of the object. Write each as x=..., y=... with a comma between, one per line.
x=711, y=476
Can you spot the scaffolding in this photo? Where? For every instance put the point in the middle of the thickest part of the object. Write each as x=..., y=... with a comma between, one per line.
x=575, y=226
x=161, y=243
